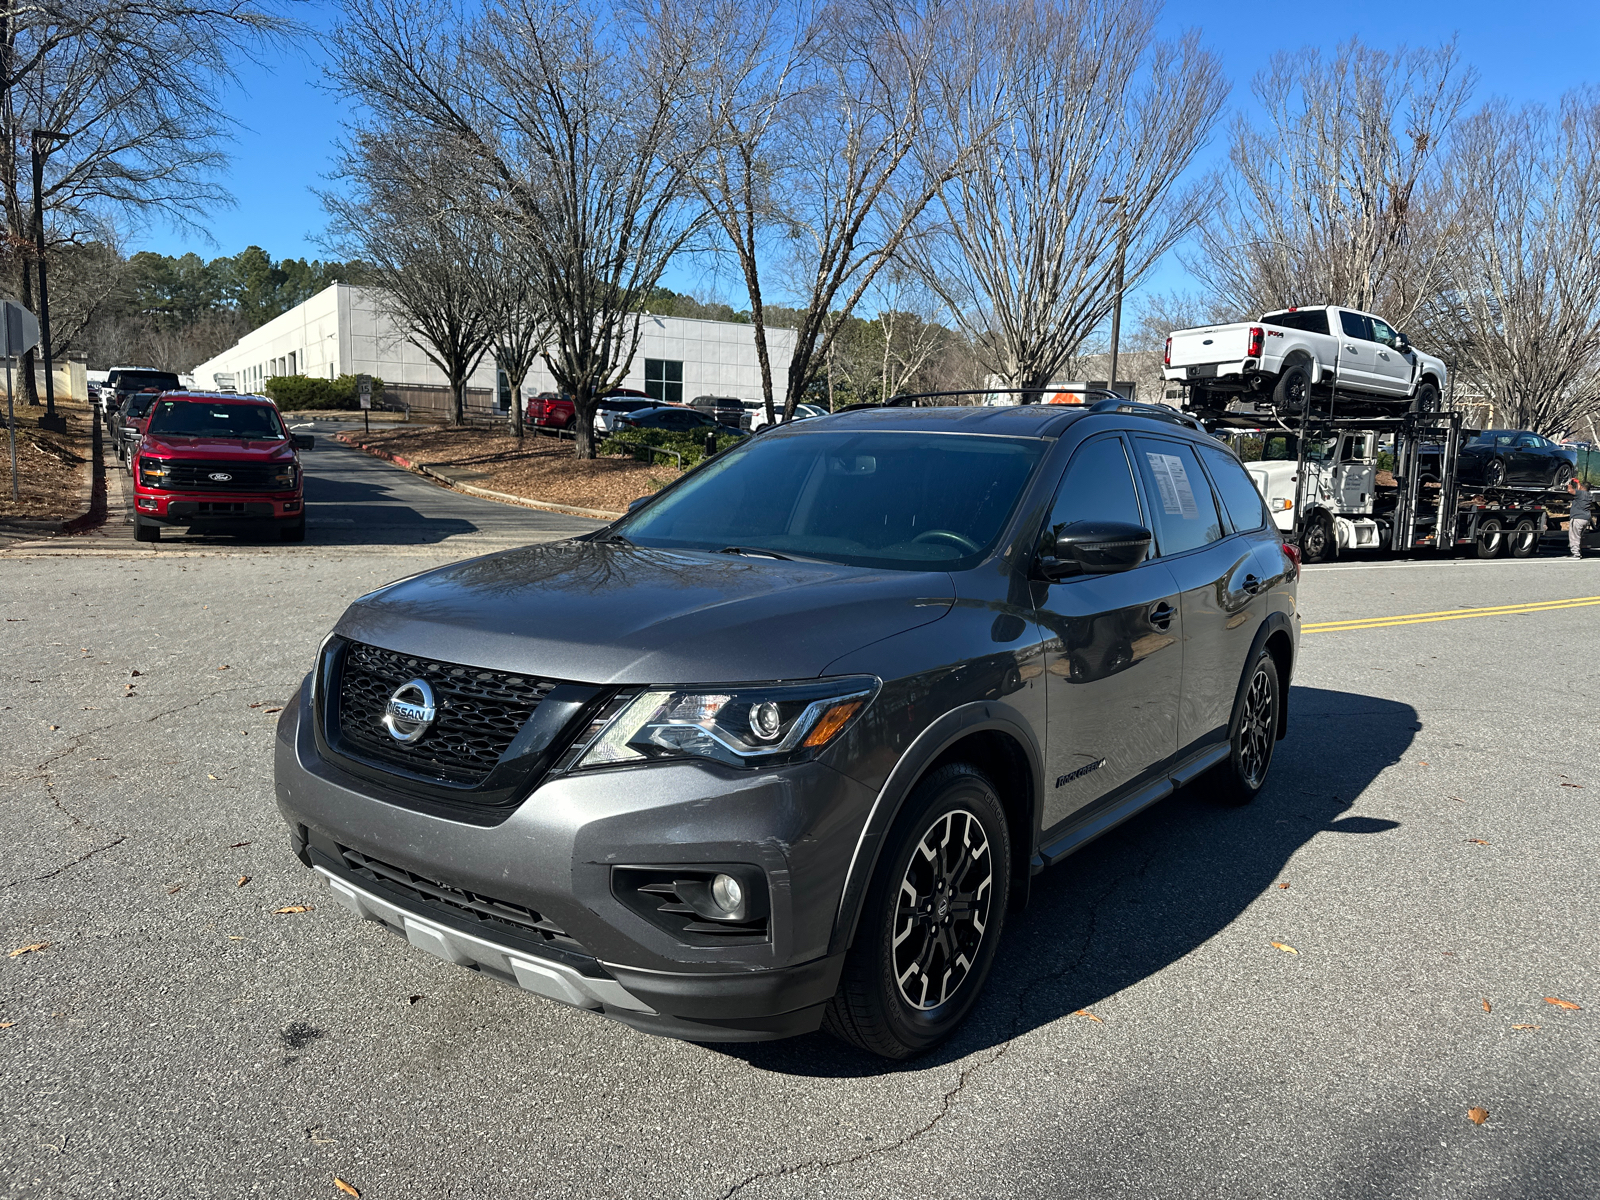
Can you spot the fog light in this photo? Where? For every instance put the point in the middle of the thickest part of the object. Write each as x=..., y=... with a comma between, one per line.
x=727, y=893
x=765, y=721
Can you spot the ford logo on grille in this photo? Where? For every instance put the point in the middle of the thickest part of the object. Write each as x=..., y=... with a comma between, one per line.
x=220, y=476
x=410, y=711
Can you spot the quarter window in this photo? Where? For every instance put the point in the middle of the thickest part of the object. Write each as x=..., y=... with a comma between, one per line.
x=1180, y=498
x=1238, y=490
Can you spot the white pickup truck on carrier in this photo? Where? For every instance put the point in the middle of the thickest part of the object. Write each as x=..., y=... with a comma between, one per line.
x=1326, y=356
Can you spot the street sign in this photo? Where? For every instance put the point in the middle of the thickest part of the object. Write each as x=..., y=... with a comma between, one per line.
x=364, y=390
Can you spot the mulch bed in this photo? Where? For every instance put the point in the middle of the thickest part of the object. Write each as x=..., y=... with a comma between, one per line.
x=50, y=466
x=537, y=467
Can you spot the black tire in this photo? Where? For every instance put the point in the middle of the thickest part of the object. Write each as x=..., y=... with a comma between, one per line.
x=1494, y=473
x=145, y=531
x=1562, y=475
x=1252, y=734
x=295, y=532
x=1491, y=538
x=885, y=1007
x=1319, y=543
x=1524, y=539
x=1427, y=397
x=1292, y=392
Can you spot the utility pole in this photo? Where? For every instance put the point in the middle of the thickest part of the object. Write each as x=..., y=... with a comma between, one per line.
x=49, y=420
x=1116, y=312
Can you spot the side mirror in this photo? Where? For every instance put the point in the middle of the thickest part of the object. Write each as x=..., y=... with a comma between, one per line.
x=304, y=441
x=1092, y=548
x=1401, y=343
x=642, y=500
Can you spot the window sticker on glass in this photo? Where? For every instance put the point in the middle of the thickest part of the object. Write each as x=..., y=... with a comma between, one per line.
x=1177, y=496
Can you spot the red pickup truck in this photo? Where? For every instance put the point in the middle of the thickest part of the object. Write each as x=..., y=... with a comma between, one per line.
x=555, y=410
x=219, y=462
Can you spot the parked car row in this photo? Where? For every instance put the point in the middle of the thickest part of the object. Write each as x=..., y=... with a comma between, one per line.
x=627, y=408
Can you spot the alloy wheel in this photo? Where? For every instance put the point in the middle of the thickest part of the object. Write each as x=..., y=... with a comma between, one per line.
x=1256, y=730
x=943, y=910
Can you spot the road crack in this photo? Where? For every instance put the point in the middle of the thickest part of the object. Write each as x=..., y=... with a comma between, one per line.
x=1065, y=966
x=68, y=866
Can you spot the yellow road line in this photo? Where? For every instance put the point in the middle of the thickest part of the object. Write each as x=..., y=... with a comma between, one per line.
x=1459, y=614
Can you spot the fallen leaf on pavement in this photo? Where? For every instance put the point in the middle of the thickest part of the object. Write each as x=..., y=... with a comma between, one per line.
x=1477, y=1115
x=1285, y=947
x=1455, y=798
x=1567, y=1004
x=293, y=908
x=55, y=727
x=244, y=879
x=1084, y=1012
x=1524, y=1027
x=223, y=667
x=1486, y=1007
x=1576, y=785
x=234, y=937
x=1283, y=885
x=1476, y=842
x=278, y=709
x=135, y=674
x=344, y=1187
x=414, y=999
x=6, y=1024
x=257, y=704
x=236, y=845
x=210, y=776
x=42, y=945
x=173, y=891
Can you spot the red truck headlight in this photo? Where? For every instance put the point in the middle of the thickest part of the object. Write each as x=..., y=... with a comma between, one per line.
x=1257, y=337
x=284, y=477
x=153, y=472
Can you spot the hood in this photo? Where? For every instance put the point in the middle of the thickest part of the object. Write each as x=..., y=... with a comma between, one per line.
x=233, y=449
x=598, y=613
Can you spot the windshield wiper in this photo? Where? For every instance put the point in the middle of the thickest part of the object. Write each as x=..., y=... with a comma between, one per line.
x=754, y=552
x=615, y=539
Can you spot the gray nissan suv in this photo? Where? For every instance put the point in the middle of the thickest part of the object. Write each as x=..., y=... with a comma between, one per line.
x=782, y=748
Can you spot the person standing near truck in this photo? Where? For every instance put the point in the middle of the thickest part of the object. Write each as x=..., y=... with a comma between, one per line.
x=1580, y=515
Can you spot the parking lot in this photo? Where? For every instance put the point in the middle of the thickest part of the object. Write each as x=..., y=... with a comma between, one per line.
x=1303, y=997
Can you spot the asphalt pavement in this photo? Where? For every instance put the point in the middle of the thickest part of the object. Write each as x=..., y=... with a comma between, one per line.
x=1303, y=997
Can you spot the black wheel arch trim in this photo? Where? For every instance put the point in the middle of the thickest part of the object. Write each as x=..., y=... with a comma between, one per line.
x=925, y=749
x=1276, y=622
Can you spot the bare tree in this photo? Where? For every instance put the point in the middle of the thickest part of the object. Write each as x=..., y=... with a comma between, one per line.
x=1104, y=121
x=908, y=326
x=519, y=326
x=422, y=243
x=129, y=91
x=565, y=117
x=1522, y=312
x=1334, y=198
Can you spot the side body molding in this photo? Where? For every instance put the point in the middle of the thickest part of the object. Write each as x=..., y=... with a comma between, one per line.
x=924, y=749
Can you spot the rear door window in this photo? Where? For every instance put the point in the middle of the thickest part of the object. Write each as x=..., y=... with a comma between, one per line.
x=1356, y=325
x=1181, y=503
x=1246, y=510
x=1098, y=486
x=1310, y=321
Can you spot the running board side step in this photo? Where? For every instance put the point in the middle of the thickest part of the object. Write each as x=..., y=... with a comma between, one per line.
x=1109, y=818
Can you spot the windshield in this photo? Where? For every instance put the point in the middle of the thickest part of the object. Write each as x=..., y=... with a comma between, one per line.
x=133, y=381
x=903, y=501
x=1285, y=447
x=193, y=418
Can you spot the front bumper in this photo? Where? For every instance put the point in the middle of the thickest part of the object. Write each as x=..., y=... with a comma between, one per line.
x=554, y=854
x=192, y=508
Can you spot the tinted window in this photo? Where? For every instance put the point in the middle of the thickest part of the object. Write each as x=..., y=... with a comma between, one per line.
x=1382, y=333
x=903, y=501
x=193, y=418
x=1180, y=498
x=1311, y=320
x=1355, y=325
x=1238, y=490
x=133, y=381
x=1098, y=487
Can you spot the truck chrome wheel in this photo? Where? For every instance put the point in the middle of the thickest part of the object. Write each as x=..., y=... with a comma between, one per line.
x=1257, y=729
x=943, y=910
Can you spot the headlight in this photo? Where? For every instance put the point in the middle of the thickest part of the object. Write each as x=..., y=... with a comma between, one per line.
x=153, y=472
x=283, y=477
x=748, y=726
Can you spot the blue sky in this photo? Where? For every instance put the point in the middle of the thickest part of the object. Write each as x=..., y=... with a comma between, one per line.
x=288, y=123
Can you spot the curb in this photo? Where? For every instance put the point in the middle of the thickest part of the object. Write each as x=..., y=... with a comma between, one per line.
x=484, y=493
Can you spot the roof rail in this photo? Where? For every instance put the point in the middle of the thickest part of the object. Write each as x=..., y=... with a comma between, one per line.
x=1160, y=412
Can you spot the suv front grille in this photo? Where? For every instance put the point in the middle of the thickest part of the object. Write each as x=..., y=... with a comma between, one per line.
x=478, y=712
x=187, y=475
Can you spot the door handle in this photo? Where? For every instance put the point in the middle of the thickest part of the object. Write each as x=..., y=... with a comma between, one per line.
x=1252, y=584
x=1161, y=615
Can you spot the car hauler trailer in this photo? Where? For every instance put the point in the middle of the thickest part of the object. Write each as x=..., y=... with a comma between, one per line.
x=1320, y=477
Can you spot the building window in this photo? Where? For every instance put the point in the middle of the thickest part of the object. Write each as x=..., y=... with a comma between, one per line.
x=292, y=371
x=663, y=380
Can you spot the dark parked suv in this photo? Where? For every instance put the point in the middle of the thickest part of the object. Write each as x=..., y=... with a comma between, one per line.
x=782, y=748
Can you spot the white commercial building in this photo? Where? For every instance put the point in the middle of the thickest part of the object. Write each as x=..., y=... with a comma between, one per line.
x=345, y=331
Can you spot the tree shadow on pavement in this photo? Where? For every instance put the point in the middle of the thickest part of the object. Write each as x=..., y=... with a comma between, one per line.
x=1154, y=889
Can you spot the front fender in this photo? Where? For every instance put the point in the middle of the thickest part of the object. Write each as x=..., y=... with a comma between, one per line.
x=924, y=750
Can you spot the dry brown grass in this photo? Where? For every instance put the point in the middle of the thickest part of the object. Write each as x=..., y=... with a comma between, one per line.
x=537, y=467
x=50, y=470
